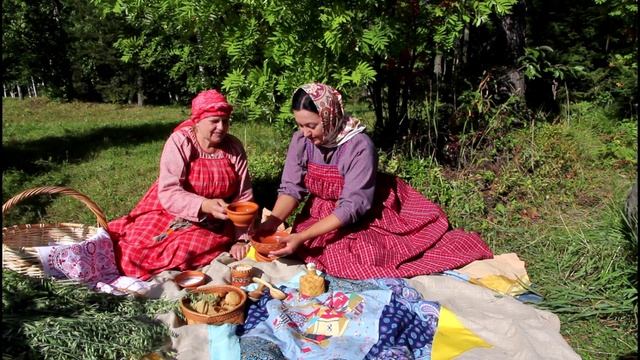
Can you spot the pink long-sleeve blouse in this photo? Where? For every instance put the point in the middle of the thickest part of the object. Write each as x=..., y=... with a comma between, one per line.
x=177, y=152
x=357, y=163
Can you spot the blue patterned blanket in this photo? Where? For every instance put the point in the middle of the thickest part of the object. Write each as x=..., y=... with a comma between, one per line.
x=373, y=319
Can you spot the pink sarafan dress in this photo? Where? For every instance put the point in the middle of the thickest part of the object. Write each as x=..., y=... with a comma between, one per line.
x=149, y=240
x=402, y=235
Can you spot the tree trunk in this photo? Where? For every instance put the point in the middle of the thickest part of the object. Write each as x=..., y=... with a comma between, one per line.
x=19, y=91
x=140, y=90
x=35, y=90
x=4, y=90
x=513, y=25
x=437, y=65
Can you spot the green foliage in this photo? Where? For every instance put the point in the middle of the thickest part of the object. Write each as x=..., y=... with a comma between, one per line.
x=616, y=86
x=536, y=65
x=599, y=39
x=34, y=47
x=451, y=18
x=53, y=320
x=259, y=52
x=623, y=9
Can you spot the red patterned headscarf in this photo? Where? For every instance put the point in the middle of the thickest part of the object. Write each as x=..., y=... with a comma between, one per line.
x=338, y=127
x=205, y=104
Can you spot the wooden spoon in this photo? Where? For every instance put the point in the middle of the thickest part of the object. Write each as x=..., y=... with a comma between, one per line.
x=275, y=292
x=256, y=294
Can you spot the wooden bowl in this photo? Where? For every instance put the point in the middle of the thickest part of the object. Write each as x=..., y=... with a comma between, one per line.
x=265, y=244
x=242, y=213
x=233, y=316
x=190, y=279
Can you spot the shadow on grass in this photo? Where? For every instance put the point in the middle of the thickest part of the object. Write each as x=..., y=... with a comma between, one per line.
x=629, y=356
x=29, y=210
x=39, y=156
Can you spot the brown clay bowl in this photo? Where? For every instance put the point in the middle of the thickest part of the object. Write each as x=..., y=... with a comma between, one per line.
x=190, y=279
x=265, y=244
x=242, y=213
x=263, y=258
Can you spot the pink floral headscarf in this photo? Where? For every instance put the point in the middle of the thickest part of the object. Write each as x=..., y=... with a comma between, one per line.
x=206, y=103
x=338, y=127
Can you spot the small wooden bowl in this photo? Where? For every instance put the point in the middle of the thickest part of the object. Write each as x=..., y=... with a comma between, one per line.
x=190, y=279
x=233, y=316
x=265, y=244
x=242, y=213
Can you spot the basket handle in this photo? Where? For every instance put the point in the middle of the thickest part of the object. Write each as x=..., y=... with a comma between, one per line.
x=95, y=209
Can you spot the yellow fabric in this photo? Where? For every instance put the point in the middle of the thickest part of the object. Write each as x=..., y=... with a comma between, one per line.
x=503, y=284
x=508, y=265
x=251, y=254
x=452, y=338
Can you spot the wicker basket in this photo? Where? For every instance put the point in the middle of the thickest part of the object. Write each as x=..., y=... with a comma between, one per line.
x=19, y=241
x=233, y=316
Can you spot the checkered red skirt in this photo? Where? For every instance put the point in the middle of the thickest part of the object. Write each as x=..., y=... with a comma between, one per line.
x=149, y=240
x=403, y=235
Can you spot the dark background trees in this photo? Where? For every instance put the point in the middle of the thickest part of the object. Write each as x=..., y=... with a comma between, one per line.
x=429, y=70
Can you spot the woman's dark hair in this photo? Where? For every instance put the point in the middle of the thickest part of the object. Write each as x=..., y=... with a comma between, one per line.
x=302, y=101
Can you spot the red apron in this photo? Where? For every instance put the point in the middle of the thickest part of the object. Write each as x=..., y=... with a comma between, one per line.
x=402, y=235
x=149, y=240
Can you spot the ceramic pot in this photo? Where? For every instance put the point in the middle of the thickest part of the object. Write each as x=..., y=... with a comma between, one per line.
x=242, y=213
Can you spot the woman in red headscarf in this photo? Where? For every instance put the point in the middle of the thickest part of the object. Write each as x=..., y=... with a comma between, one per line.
x=180, y=223
x=358, y=223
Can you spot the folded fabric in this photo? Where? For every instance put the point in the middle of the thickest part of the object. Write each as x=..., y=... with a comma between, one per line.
x=452, y=338
x=503, y=285
x=504, y=274
x=223, y=342
x=124, y=285
x=456, y=275
x=90, y=261
x=251, y=254
x=508, y=265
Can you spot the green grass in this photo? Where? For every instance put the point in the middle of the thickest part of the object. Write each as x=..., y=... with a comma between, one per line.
x=551, y=193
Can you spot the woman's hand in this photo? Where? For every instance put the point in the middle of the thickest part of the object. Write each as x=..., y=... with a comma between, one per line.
x=239, y=250
x=292, y=242
x=268, y=227
x=215, y=207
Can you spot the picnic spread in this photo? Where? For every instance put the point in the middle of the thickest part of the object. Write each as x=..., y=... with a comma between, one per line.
x=425, y=317
x=463, y=314
x=265, y=308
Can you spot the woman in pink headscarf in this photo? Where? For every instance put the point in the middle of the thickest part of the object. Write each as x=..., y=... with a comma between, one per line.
x=357, y=223
x=180, y=223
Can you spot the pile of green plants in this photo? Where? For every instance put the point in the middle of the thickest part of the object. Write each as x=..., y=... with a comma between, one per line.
x=48, y=319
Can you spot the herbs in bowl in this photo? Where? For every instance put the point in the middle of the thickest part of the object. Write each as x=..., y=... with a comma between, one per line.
x=214, y=305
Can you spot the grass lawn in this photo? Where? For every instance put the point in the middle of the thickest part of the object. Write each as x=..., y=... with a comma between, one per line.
x=552, y=192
